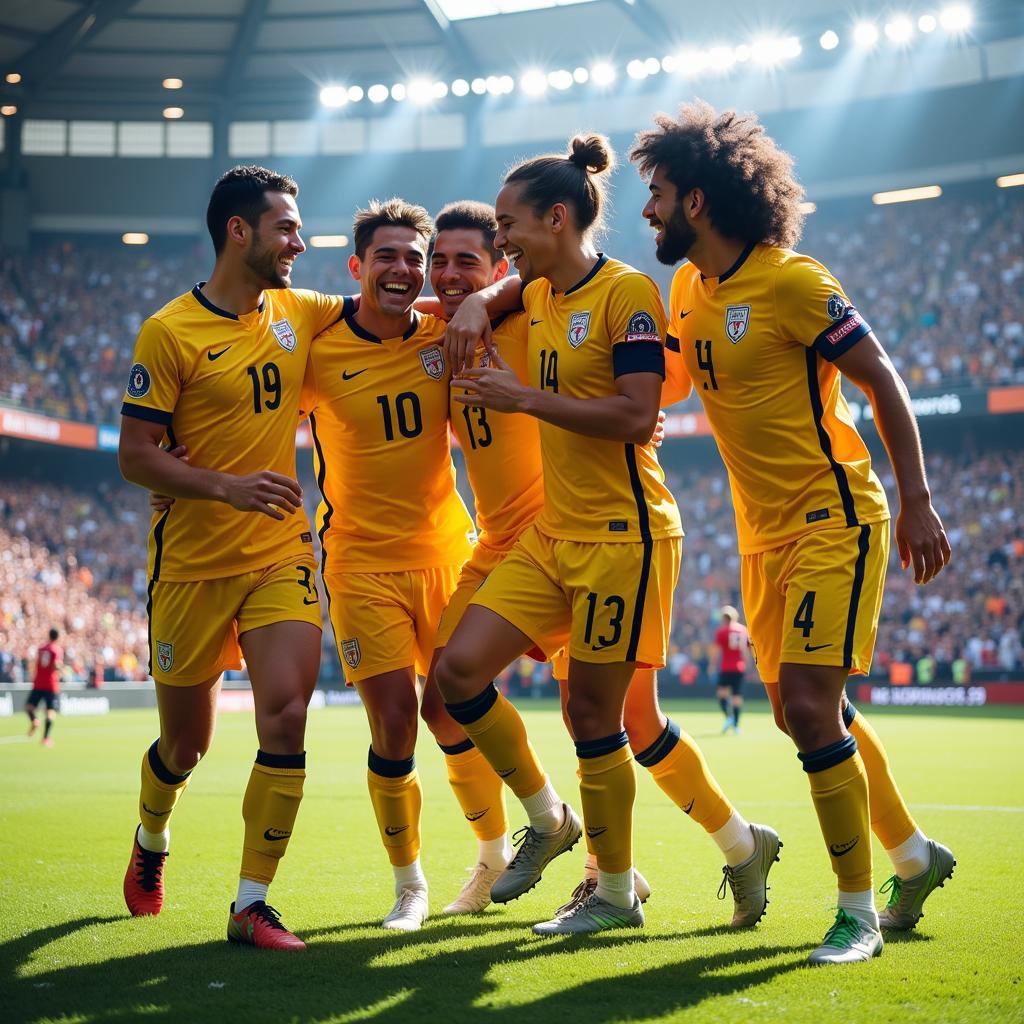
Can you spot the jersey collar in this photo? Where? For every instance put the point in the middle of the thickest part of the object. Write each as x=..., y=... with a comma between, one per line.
x=601, y=261
x=741, y=259
x=204, y=301
x=359, y=332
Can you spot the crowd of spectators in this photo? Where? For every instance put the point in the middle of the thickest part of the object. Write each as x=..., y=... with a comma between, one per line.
x=939, y=281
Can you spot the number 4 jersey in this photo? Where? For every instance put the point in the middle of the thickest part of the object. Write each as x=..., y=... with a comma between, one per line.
x=759, y=344
x=227, y=387
x=378, y=409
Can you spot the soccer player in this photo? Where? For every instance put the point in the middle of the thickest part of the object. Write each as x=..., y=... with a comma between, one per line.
x=731, y=641
x=45, y=687
x=219, y=371
x=597, y=567
x=757, y=326
x=393, y=528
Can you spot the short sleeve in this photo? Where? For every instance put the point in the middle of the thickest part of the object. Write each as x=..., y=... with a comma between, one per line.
x=511, y=337
x=154, y=381
x=813, y=309
x=322, y=310
x=636, y=326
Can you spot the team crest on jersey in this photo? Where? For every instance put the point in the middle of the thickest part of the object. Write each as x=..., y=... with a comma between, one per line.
x=835, y=306
x=351, y=652
x=736, y=320
x=433, y=362
x=579, y=327
x=642, y=327
x=164, y=656
x=285, y=334
x=139, y=381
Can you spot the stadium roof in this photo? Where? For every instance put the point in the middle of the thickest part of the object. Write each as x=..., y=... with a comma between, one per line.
x=116, y=53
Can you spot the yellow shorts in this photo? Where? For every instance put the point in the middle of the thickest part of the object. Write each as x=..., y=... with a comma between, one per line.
x=607, y=602
x=387, y=620
x=816, y=600
x=480, y=565
x=194, y=626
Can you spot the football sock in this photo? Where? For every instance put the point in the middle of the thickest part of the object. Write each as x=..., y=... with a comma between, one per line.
x=250, y=892
x=494, y=853
x=912, y=857
x=860, y=905
x=159, y=791
x=723, y=703
x=736, y=709
x=47, y=728
x=735, y=840
x=31, y=715
x=607, y=792
x=478, y=789
x=397, y=797
x=544, y=809
x=155, y=842
x=678, y=767
x=839, y=789
x=269, y=808
x=409, y=876
x=616, y=888
x=494, y=725
x=890, y=819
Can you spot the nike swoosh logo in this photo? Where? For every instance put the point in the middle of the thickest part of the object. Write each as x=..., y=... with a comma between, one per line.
x=216, y=355
x=533, y=323
x=689, y=807
x=477, y=815
x=309, y=600
x=156, y=814
x=505, y=775
x=593, y=833
x=275, y=835
x=392, y=830
x=817, y=647
x=345, y=375
x=683, y=316
x=841, y=849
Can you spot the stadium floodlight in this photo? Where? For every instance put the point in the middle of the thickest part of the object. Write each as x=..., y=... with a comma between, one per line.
x=355, y=93
x=377, y=93
x=534, y=82
x=721, y=58
x=636, y=70
x=12, y=78
x=770, y=52
x=561, y=79
x=334, y=96
x=653, y=65
x=906, y=195
x=174, y=113
x=602, y=74
x=956, y=18
x=328, y=241
x=419, y=91
x=479, y=86
x=581, y=76
x=506, y=83
x=439, y=89
x=670, y=63
x=807, y=208
x=460, y=87
x=399, y=92
x=493, y=85
x=1009, y=180
x=865, y=34
x=927, y=23
x=829, y=40
x=168, y=83
x=8, y=110
x=900, y=30
x=742, y=53
x=135, y=238
x=692, y=62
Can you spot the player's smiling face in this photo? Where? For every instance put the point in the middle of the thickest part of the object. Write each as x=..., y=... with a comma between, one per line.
x=462, y=263
x=276, y=242
x=529, y=242
x=674, y=237
x=391, y=272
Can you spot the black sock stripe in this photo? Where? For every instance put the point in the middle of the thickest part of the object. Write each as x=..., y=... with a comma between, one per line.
x=457, y=748
x=390, y=769
x=849, y=714
x=828, y=757
x=661, y=747
x=858, y=585
x=161, y=771
x=605, y=745
x=281, y=760
x=468, y=711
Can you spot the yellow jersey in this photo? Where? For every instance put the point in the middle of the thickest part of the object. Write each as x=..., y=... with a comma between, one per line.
x=228, y=387
x=378, y=411
x=502, y=450
x=758, y=344
x=609, y=324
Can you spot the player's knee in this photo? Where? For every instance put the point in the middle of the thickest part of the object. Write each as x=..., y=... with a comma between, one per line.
x=589, y=718
x=643, y=725
x=182, y=755
x=393, y=729
x=455, y=676
x=806, y=721
x=289, y=722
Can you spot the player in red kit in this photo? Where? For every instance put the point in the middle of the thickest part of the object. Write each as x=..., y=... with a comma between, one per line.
x=733, y=642
x=45, y=687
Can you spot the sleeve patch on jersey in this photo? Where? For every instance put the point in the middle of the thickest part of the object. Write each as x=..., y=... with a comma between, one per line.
x=836, y=306
x=641, y=357
x=139, y=381
x=737, y=319
x=642, y=327
x=433, y=363
x=579, y=328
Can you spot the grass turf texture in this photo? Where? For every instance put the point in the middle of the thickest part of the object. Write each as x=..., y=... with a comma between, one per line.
x=69, y=951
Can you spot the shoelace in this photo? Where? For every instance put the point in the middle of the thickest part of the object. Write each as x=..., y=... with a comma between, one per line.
x=584, y=903
x=846, y=930
x=526, y=839
x=894, y=887
x=147, y=869
x=728, y=877
x=405, y=899
x=267, y=914
x=580, y=894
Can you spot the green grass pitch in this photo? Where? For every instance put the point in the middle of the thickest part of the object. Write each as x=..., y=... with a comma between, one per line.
x=69, y=951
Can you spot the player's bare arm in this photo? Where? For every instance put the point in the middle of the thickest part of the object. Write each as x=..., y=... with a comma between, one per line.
x=143, y=461
x=920, y=536
x=472, y=320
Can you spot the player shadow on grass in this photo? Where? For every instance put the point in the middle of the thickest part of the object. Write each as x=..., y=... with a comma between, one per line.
x=373, y=976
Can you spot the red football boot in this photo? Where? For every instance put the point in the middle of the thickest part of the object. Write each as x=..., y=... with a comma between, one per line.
x=260, y=925
x=144, y=881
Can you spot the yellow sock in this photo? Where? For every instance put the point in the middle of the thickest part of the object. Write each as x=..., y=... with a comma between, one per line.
x=397, y=797
x=607, y=792
x=839, y=788
x=271, y=803
x=678, y=767
x=494, y=725
x=159, y=791
x=890, y=819
x=479, y=790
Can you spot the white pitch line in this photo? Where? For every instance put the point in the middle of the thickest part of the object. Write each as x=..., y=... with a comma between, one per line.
x=14, y=739
x=915, y=806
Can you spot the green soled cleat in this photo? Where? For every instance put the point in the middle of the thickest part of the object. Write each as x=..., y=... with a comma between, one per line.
x=536, y=851
x=907, y=895
x=749, y=880
x=593, y=915
x=848, y=941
